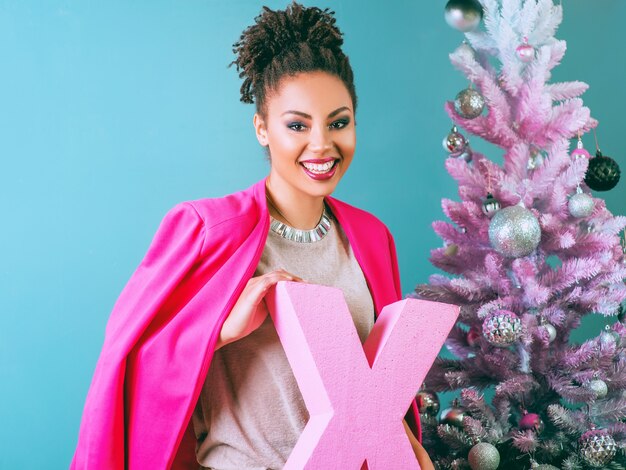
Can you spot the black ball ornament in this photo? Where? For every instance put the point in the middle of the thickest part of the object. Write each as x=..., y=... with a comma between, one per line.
x=603, y=173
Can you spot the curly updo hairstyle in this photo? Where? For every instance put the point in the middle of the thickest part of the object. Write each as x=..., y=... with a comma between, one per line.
x=285, y=43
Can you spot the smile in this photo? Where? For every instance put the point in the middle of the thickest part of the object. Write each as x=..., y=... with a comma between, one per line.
x=320, y=171
x=318, y=168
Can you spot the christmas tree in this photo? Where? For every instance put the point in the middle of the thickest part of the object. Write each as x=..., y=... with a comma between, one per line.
x=529, y=251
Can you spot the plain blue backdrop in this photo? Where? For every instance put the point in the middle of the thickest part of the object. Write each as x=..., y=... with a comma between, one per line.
x=112, y=112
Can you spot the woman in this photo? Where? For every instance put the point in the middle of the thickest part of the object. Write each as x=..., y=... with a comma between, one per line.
x=191, y=371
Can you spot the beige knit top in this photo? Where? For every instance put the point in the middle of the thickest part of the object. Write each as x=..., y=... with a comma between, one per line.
x=250, y=412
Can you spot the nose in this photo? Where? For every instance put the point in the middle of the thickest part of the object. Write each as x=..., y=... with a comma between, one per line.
x=320, y=140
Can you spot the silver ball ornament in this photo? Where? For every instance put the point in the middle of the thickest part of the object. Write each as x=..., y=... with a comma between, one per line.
x=454, y=142
x=580, y=205
x=484, y=456
x=469, y=103
x=514, y=232
x=490, y=206
x=597, y=448
x=502, y=328
x=551, y=331
x=464, y=15
x=599, y=387
x=610, y=337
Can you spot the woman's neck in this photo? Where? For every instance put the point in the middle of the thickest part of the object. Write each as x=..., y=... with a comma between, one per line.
x=292, y=207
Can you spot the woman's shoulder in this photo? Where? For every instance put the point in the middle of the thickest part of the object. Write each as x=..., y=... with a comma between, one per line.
x=234, y=208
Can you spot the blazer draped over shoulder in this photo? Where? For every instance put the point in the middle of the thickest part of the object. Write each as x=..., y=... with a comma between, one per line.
x=162, y=331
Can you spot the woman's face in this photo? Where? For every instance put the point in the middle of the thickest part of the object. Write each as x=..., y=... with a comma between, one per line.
x=310, y=131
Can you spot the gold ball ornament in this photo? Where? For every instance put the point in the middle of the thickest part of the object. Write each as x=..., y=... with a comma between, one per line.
x=469, y=103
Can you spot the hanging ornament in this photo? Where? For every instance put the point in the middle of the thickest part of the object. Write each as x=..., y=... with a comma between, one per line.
x=490, y=205
x=454, y=142
x=469, y=103
x=464, y=15
x=598, y=387
x=427, y=402
x=610, y=336
x=453, y=415
x=603, y=173
x=525, y=52
x=580, y=205
x=551, y=331
x=597, y=447
x=531, y=421
x=484, y=456
x=579, y=151
x=502, y=328
x=514, y=231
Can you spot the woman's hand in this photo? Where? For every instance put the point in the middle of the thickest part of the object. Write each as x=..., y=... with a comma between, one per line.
x=420, y=453
x=250, y=310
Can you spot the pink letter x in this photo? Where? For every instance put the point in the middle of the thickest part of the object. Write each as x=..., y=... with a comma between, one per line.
x=356, y=395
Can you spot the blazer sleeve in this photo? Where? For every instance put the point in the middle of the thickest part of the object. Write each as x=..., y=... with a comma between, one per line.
x=174, y=250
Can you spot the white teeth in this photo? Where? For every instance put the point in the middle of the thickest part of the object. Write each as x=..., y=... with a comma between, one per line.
x=319, y=168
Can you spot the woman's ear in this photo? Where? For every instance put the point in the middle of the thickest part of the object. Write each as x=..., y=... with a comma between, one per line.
x=261, y=129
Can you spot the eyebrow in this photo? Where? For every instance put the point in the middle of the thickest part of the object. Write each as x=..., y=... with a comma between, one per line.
x=305, y=115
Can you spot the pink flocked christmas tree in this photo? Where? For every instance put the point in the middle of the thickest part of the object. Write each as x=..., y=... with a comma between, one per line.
x=529, y=251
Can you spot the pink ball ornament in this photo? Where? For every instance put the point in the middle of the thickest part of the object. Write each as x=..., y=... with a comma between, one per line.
x=579, y=151
x=525, y=52
x=531, y=421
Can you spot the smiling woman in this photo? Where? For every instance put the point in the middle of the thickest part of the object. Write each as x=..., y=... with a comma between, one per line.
x=224, y=396
x=308, y=156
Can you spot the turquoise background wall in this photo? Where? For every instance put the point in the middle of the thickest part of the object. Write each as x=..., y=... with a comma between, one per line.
x=112, y=112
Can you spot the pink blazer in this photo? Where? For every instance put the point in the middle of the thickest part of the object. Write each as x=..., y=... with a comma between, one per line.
x=161, y=334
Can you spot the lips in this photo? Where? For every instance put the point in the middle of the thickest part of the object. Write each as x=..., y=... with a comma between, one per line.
x=320, y=169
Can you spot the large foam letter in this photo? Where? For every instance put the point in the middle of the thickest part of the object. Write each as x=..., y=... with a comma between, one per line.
x=357, y=395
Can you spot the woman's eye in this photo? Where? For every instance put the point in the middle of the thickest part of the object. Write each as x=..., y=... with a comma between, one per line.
x=296, y=126
x=340, y=123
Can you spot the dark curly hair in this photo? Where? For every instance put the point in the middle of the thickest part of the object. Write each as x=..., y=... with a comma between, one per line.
x=298, y=39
